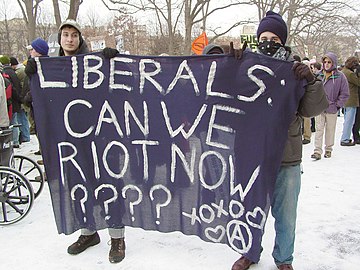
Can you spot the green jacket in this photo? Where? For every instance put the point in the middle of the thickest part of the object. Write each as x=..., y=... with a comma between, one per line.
x=311, y=104
x=354, y=83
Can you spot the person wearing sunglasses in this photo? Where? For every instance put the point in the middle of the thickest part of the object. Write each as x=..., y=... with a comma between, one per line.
x=337, y=92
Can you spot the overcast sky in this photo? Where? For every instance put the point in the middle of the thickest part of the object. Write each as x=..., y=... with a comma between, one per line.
x=220, y=19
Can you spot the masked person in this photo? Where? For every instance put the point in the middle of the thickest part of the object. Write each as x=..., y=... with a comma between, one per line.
x=272, y=36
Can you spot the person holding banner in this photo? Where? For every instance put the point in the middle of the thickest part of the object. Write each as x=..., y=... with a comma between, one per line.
x=72, y=43
x=39, y=48
x=272, y=36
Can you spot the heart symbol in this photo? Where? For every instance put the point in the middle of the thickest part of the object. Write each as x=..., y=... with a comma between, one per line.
x=253, y=215
x=215, y=231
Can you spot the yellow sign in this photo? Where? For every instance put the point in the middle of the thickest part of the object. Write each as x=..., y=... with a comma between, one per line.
x=251, y=41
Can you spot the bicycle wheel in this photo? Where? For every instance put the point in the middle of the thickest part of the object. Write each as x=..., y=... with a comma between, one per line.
x=16, y=196
x=31, y=170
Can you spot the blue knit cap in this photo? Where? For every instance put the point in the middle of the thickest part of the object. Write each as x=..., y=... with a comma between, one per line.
x=274, y=23
x=40, y=46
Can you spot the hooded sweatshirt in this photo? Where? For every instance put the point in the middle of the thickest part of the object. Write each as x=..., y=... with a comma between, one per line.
x=83, y=48
x=211, y=47
x=335, y=85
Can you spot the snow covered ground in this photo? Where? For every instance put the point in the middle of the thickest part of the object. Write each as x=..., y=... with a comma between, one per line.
x=328, y=229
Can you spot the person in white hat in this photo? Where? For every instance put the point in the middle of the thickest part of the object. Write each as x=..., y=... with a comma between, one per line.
x=70, y=39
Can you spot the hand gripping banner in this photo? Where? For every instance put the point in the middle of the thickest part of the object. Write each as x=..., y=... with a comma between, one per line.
x=190, y=144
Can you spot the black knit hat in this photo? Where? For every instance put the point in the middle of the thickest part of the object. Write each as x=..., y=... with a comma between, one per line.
x=13, y=61
x=274, y=23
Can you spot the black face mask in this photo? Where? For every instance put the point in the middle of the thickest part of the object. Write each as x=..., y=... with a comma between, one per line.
x=269, y=48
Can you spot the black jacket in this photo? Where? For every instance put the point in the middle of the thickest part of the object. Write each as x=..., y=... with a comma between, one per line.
x=16, y=86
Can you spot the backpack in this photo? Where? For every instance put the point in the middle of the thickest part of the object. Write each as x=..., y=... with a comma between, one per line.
x=8, y=91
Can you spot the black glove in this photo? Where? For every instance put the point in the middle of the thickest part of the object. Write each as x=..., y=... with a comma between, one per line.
x=237, y=53
x=109, y=52
x=302, y=71
x=28, y=99
x=31, y=67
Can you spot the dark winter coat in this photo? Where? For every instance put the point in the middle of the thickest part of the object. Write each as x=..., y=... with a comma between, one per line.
x=354, y=83
x=311, y=104
x=16, y=86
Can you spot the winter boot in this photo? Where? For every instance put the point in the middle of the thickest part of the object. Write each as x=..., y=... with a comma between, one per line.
x=117, y=251
x=83, y=243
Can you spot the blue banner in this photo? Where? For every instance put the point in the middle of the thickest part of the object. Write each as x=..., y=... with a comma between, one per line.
x=190, y=144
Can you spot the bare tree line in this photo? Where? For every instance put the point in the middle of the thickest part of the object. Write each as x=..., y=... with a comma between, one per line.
x=315, y=26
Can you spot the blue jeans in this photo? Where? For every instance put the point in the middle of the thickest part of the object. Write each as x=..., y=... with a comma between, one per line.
x=24, y=128
x=349, y=120
x=14, y=121
x=283, y=209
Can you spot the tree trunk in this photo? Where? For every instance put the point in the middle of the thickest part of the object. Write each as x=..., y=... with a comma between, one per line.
x=31, y=19
x=57, y=13
x=170, y=29
x=74, y=9
x=188, y=28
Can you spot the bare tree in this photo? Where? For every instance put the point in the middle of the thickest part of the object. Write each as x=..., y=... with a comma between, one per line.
x=74, y=6
x=57, y=12
x=134, y=36
x=171, y=15
x=29, y=10
x=92, y=18
x=310, y=23
x=74, y=9
x=5, y=44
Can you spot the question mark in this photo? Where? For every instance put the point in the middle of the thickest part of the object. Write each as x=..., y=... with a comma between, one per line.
x=132, y=204
x=107, y=202
x=83, y=200
x=159, y=205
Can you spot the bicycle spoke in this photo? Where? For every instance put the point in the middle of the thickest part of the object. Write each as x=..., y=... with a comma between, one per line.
x=17, y=209
x=23, y=199
x=3, y=206
x=6, y=182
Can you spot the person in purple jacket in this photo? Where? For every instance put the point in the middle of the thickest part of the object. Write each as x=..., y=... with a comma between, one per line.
x=337, y=92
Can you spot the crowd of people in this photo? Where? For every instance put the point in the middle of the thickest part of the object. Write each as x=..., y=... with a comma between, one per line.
x=328, y=91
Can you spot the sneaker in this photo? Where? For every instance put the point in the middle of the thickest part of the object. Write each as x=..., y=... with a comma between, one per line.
x=305, y=141
x=347, y=143
x=285, y=267
x=117, y=251
x=316, y=156
x=84, y=242
x=327, y=154
x=242, y=264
